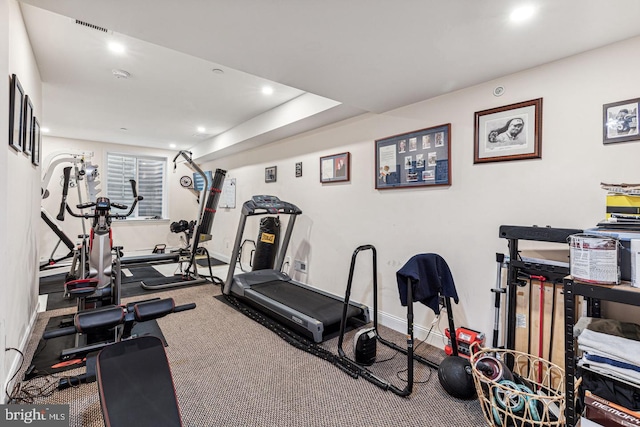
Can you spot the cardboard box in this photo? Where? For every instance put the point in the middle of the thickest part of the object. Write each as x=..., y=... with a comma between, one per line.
x=608, y=414
x=628, y=205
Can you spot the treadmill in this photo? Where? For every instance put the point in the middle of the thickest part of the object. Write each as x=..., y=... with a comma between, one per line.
x=304, y=309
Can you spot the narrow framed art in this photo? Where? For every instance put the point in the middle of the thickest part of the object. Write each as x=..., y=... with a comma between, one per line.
x=27, y=131
x=335, y=168
x=511, y=132
x=16, y=112
x=37, y=143
x=418, y=158
x=620, y=121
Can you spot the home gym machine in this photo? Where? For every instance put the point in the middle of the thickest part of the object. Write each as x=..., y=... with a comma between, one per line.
x=209, y=198
x=365, y=340
x=300, y=307
x=83, y=171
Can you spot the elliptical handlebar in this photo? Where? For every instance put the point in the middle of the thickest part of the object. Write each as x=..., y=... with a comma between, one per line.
x=64, y=206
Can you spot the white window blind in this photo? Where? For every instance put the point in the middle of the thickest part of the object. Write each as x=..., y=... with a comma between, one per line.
x=149, y=175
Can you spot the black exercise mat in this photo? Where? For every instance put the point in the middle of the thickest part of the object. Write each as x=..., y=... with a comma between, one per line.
x=143, y=272
x=214, y=262
x=48, y=352
x=173, y=280
x=53, y=283
x=130, y=286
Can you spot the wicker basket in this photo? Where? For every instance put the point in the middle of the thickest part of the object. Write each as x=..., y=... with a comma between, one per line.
x=535, y=398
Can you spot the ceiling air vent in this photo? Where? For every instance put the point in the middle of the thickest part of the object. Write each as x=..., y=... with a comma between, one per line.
x=94, y=27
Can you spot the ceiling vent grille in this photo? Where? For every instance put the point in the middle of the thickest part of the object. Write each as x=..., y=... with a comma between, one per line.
x=94, y=27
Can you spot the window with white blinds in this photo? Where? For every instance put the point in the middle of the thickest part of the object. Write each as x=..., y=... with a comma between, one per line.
x=149, y=174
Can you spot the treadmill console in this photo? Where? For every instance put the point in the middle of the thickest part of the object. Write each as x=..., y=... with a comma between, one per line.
x=264, y=204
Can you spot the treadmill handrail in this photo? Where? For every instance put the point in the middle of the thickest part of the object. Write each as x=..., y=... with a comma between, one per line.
x=251, y=207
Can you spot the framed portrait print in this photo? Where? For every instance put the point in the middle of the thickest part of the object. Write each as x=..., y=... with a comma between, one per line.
x=37, y=143
x=27, y=131
x=413, y=159
x=298, y=169
x=16, y=112
x=271, y=174
x=620, y=121
x=512, y=132
x=335, y=168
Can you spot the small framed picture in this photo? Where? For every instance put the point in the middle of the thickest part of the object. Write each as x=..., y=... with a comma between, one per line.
x=27, y=132
x=512, y=132
x=298, y=169
x=271, y=174
x=16, y=112
x=335, y=168
x=37, y=143
x=620, y=121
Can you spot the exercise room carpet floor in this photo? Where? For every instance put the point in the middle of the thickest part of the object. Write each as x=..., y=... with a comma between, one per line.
x=231, y=371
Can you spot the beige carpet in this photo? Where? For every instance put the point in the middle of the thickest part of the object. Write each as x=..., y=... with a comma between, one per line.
x=231, y=371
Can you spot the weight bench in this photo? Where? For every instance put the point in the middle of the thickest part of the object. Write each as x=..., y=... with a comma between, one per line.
x=135, y=384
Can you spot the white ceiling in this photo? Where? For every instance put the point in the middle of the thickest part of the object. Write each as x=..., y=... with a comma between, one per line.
x=326, y=60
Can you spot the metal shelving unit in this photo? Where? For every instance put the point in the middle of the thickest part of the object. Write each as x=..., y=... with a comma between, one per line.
x=624, y=294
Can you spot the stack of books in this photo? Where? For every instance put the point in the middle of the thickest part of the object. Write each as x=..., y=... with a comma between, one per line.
x=623, y=206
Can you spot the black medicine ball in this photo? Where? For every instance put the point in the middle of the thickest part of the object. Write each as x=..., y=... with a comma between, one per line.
x=456, y=377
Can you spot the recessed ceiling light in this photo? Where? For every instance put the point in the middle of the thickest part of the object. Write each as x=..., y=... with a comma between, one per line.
x=116, y=47
x=124, y=129
x=44, y=130
x=201, y=129
x=267, y=90
x=522, y=13
x=217, y=71
x=172, y=145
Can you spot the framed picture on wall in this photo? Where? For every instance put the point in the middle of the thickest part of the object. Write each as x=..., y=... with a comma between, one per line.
x=512, y=132
x=335, y=168
x=16, y=112
x=271, y=174
x=414, y=159
x=298, y=169
x=27, y=131
x=620, y=121
x=37, y=143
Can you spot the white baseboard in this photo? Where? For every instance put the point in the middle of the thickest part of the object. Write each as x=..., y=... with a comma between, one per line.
x=221, y=257
x=435, y=338
x=8, y=383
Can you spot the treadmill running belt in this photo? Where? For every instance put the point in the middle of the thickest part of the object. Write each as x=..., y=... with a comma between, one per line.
x=321, y=307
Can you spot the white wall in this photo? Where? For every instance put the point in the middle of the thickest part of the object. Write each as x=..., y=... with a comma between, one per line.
x=133, y=235
x=459, y=222
x=4, y=130
x=19, y=287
